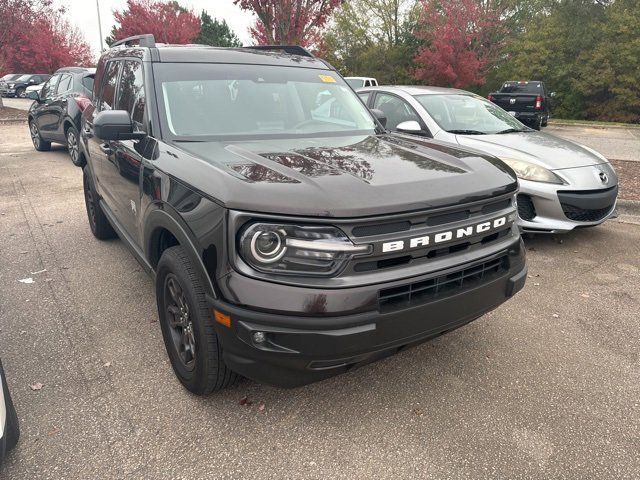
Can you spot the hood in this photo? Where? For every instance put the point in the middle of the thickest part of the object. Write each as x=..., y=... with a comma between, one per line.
x=543, y=149
x=337, y=176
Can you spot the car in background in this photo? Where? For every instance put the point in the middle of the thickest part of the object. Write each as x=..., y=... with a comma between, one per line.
x=55, y=115
x=563, y=185
x=9, y=428
x=361, y=82
x=526, y=100
x=8, y=78
x=33, y=91
x=17, y=87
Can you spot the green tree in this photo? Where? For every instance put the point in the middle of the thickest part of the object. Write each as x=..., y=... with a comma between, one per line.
x=374, y=38
x=215, y=33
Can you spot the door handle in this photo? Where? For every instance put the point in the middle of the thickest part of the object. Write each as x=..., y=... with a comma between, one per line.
x=106, y=149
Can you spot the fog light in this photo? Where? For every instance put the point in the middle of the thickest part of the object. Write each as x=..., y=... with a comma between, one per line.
x=259, y=337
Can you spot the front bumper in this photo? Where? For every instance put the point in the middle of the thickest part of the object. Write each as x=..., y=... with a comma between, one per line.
x=7, y=92
x=300, y=349
x=584, y=201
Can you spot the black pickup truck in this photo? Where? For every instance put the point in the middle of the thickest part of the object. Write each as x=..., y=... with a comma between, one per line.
x=528, y=101
x=290, y=236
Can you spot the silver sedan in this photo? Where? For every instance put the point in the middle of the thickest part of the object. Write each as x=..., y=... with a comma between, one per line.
x=563, y=185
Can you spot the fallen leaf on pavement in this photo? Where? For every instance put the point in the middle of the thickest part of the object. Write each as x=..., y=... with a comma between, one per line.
x=26, y=280
x=261, y=407
x=245, y=401
x=585, y=295
x=36, y=386
x=555, y=315
x=39, y=271
x=107, y=365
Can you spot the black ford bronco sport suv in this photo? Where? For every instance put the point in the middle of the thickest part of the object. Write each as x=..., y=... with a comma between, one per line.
x=290, y=236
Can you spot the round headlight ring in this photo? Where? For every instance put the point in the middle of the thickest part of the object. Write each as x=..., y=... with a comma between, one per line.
x=272, y=255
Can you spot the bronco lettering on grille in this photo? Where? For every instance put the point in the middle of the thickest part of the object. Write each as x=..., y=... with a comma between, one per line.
x=445, y=236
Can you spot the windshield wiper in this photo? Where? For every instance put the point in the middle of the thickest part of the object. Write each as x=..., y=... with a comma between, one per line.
x=467, y=132
x=512, y=130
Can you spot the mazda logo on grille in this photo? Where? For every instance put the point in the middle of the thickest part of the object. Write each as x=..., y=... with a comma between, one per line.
x=603, y=177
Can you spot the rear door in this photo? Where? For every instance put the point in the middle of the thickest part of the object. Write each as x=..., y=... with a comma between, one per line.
x=58, y=106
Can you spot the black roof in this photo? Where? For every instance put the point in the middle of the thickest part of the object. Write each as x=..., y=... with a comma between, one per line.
x=76, y=70
x=285, y=55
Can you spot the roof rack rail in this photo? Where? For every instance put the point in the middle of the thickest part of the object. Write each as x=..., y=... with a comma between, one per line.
x=290, y=49
x=146, y=40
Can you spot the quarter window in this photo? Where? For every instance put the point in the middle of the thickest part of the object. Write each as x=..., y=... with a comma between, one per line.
x=109, y=85
x=131, y=95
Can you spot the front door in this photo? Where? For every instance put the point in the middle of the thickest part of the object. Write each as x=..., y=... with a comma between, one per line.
x=43, y=114
x=121, y=173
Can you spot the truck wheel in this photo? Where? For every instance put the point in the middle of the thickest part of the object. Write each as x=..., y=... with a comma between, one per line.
x=73, y=146
x=38, y=143
x=12, y=428
x=188, y=326
x=545, y=121
x=100, y=226
x=537, y=123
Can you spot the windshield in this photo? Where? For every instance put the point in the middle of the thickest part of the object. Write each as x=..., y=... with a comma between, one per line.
x=521, y=87
x=218, y=101
x=23, y=78
x=354, y=82
x=460, y=113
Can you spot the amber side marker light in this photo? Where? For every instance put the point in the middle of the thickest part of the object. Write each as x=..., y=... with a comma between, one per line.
x=222, y=318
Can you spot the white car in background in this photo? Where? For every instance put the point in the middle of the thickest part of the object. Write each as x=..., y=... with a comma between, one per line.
x=361, y=82
x=33, y=91
x=9, y=429
x=563, y=185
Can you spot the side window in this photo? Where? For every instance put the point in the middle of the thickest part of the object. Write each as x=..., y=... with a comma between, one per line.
x=87, y=82
x=364, y=96
x=109, y=82
x=131, y=91
x=49, y=88
x=367, y=83
x=65, y=84
x=395, y=109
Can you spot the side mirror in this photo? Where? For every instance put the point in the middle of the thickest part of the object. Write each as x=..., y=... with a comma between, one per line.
x=380, y=116
x=410, y=126
x=38, y=98
x=115, y=125
x=32, y=81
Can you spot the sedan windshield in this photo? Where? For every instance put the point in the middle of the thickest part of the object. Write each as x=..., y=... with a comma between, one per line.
x=23, y=78
x=218, y=101
x=469, y=114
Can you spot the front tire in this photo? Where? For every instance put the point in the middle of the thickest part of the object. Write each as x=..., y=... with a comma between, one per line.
x=20, y=93
x=38, y=143
x=188, y=327
x=98, y=222
x=12, y=428
x=73, y=146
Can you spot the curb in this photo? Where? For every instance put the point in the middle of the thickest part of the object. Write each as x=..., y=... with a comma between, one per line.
x=590, y=125
x=628, y=211
x=12, y=121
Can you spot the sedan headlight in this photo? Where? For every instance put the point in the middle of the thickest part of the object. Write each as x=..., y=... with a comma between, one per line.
x=531, y=171
x=295, y=249
x=11, y=85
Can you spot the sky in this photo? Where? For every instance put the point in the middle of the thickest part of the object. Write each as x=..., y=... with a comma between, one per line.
x=83, y=14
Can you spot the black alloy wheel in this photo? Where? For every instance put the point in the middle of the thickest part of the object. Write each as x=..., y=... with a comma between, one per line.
x=73, y=146
x=181, y=326
x=38, y=143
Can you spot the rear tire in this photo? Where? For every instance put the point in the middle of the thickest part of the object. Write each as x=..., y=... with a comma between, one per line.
x=12, y=428
x=98, y=222
x=545, y=121
x=537, y=124
x=38, y=143
x=73, y=146
x=188, y=327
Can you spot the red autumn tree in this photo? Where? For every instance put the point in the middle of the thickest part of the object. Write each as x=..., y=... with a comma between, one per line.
x=167, y=21
x=461, y=38
x=289, y=22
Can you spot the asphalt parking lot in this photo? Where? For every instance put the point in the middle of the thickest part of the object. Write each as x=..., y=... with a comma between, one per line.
x=546, y=386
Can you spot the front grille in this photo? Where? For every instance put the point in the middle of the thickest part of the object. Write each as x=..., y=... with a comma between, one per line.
x=441, y=286
x=585, y=215
x=526, y=210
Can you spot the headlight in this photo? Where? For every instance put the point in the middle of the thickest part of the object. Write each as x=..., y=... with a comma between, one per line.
x=531, y=171
x=295, y=249
x=11, y=85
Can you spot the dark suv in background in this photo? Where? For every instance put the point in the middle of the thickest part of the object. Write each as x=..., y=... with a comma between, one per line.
x=17, y=86
x=55, y=115
x=290, y=236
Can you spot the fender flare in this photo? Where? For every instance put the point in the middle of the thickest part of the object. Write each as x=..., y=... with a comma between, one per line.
x=161, y=218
